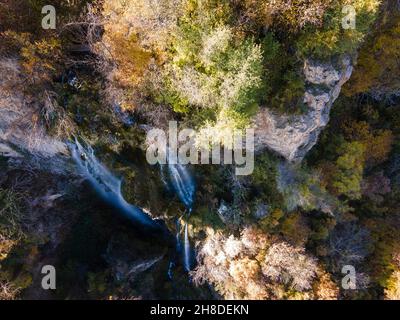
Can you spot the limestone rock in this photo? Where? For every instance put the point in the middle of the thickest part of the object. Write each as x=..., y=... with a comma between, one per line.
x=292, y=136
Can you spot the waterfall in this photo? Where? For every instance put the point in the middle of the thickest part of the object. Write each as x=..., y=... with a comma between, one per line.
x=106, y=184
x=178, y=240
x=187, y=252
x=180, y=181
x=184, y=186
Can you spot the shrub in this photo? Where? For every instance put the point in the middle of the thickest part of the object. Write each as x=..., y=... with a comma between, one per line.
x=289, y=16
x=263, y=180
x=10, y=214
x=392, y=292
x=8, y=291
x=40, y=58
x=219, y=74
x=253, y=266
x=290, y=266
x=350, y=167
x=331, y=38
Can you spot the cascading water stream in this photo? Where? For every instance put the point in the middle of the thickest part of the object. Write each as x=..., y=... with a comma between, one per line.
x=178, y=179
x=182, y=183
x=107, y=185
x=186, y=256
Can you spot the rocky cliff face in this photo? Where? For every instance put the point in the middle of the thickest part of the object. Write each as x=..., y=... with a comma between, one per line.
x=292, y=136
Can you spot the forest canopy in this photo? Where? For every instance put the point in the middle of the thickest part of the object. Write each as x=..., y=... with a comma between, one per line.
x=317, y=80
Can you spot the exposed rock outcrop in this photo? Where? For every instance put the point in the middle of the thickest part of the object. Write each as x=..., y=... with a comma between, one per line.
x=292, y=136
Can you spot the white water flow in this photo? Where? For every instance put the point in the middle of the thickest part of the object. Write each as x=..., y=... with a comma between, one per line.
x=184, y=186
x=182, y=183
x=186, y=256
x=106, y=184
